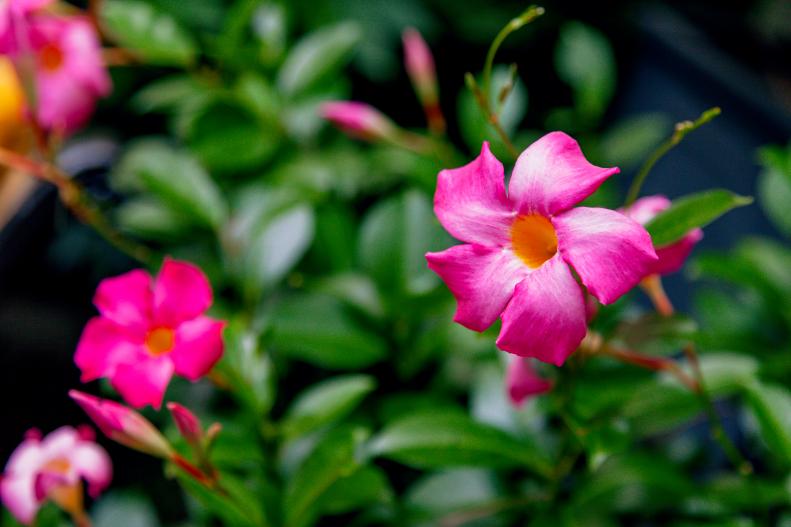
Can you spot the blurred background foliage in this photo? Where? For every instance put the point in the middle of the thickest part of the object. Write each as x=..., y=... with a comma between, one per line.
x=347, y=395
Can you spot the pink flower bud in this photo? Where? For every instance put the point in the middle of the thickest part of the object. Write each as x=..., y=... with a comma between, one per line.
x=523, y=382
x=188, y=424
x=123, y=425
x=358, y=119
x=420, y=66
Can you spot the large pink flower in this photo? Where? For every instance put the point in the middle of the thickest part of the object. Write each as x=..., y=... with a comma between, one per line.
x=521, y=247
x=52, y=469
x=670, y=257
x=70, y=73
x=15, y=23
x=149, y=329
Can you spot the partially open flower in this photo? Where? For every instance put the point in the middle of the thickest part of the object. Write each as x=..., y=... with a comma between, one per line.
x=419, y=64
x=123, y=425
x=522, y=381
x=52, y=469
x=522, y=247
x=188, y=424
x=670, y=258
x=150, y=329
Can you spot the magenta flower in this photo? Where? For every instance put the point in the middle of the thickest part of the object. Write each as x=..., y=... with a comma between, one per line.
x=522, y=381
x=670, y=257
x=123, y=425
x=521, y=247
x=358, y=119
x=52, y=469
x=187, y=423
x=15, y=23
x=150, y=329
x=70, y=73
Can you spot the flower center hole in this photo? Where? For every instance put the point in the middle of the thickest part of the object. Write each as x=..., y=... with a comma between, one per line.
x=159, y=341
x=533, y=239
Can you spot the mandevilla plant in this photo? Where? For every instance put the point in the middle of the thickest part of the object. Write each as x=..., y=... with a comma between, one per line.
x=294, y=290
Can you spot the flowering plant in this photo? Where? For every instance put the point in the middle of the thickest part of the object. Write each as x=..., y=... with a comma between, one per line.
x=294, y=334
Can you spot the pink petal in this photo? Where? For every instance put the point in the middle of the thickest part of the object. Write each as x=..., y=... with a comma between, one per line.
x=552, y=175
x=644, y=209
x=671, y=258
x=25, y=459
x=45, y=481
x=143, y=382
x=181, y=293
x=545, y=318
x=92, y=463
x=127, y=300
x=482, y=279
x=609, y=252
x=198, y=347
x=103, y=346
x=18, y=495
x=523, y=382
x=471, y=204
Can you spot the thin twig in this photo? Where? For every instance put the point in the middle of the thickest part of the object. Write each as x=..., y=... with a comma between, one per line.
x=652, y=363
x=680, y=131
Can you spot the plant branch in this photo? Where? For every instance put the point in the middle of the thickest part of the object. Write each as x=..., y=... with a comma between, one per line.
x=491, y=117
x=680, y=131
x=77, y=201
x=652, y=363
x=529, y=14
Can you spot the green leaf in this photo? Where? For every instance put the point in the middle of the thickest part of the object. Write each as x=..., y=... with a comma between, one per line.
x=431, y=440
x=316, y=57
x=629, y=141
x=318, y=329
x=584, y=60
x=168, y=93
x=326, y=402
x=771, y=405
x=429, y=497
x=364, y=487
x=394, y=237
x=223, y=507
x=152, y=220
x=175, y=177
x=774, y=194
x=124, y=509
x=333, y=459
x=690, y=212
x=153, y=34
x=229, y=137
x=248, y=369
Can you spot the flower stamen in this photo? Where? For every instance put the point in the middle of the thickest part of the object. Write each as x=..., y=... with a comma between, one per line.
x=533, y=239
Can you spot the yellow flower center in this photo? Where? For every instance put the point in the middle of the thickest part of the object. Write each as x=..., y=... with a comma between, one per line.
x=533, y=239
x=59, y=465
x=50, y=57
x=159, y=341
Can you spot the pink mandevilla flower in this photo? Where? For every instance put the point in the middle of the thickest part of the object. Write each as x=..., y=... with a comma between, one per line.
x=521, y=247
x=358, y=119
x=14, y=23
x=150, y=329
x=522, y=381
x=70, y=73
x=52, y=468
x=671, y=257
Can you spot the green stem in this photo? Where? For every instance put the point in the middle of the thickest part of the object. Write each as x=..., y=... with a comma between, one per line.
x=680, y=131
x=530, y=14
x=717, y=429
x=483, y=103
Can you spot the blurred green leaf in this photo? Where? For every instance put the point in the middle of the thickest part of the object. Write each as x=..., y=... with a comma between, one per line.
x=364, y=487
x=394, y=236
x=326, y=402
x=124, y=509
x=355, y=289
x=173, y=176
x=584, y=60
x=248, y=370
x=333, y=459
x=228, y=137
x=430, y=440
x=168, y=93
x=143, y=29
x=691, y=211
x=319, y=330
x=150, y=219
x=630, y=140
x=774, y=187
x=317, y=56
x=231, y=513
x=771, y=405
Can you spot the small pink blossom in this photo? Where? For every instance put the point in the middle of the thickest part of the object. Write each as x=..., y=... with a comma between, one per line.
x=150, y=329
x=521, y=247
x=123, y=425
x=52, y=469
x=671, y=257
x=70, y=73
x=522, y=381
x=358, y=119
x=188, y=424
x=420, y=65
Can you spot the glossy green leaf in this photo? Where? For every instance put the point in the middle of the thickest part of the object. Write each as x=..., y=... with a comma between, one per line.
x=326, y=402
x=153, y=34
x=316, y=57
x=124, y=509
x=150, y=219
x=430, y=440
x=319, y=329
x=774, y=195
x=771, y=405
x=367, y=486
x=692, y=211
